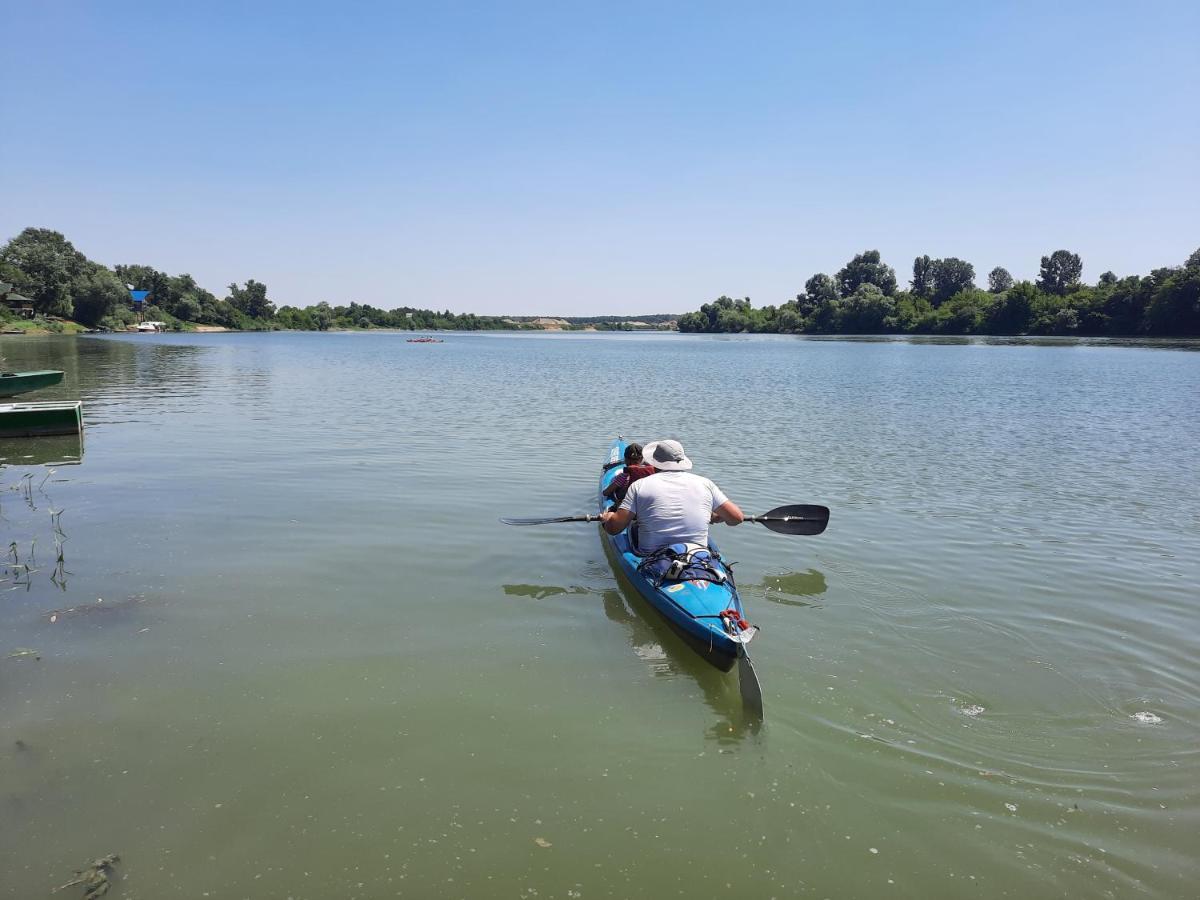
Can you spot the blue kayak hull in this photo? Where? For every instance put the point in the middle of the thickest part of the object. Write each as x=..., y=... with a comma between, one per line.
x=692, y=608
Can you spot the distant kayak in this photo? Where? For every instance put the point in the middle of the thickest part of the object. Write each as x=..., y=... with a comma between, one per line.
x=13, y=383
x=425, y=340
x=706, y=614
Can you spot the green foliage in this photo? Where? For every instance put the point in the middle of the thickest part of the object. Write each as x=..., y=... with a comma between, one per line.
x=178, y=295
x=865, y=311
x=951, y=276
x=866, y=268
x=788, y=319
x=1175, y=306
x=922, y=278
x=1167, y=302
x=911, y=314
x=1013, y=309
x=251, y=300
x=818, y=290
x=1125, y=304
x=118, y=320
x=999, y=280
x=95, y=293
x=964, y=313
x=1053, y=315
x=42, y=264
x=1060, y=272
x=940, y=279
x=61, y=282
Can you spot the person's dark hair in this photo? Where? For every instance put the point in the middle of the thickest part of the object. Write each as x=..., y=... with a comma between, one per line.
x=633, y=454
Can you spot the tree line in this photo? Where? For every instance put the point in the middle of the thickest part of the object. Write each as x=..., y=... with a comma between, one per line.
x=59, y=281
x=864, y=297
x=943, y=298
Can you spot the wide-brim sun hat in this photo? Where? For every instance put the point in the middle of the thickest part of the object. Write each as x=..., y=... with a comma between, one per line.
x=667, y=456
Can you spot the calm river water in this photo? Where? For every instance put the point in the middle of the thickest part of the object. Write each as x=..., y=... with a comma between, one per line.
x=290, y=652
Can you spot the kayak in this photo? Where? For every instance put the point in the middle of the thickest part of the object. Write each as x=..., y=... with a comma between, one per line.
x=13, y=383
x=706, y=614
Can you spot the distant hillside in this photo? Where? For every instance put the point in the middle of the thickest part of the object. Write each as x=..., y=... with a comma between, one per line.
x=656, y=319
x=602, y=323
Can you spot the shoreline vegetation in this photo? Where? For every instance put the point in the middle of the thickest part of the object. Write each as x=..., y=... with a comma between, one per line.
x=51, y=287
x=942, y=298
x=62, y=291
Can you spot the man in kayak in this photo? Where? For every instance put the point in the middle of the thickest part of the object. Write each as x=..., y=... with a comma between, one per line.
x=673, y=507
x=635, y=468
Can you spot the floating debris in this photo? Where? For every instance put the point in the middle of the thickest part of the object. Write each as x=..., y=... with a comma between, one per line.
x=541, y=591
x=542, y=842
x=93, y=877
x=1145, y=717
x=101, y=605
x=973, y=710
x=1011, y=807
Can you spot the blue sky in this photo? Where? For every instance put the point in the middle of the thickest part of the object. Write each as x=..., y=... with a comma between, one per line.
x=538, y=158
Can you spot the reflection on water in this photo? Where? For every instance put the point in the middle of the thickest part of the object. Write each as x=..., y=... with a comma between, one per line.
x=961, y=340
x=782, y=589
x=665, y=654
x=51, y=450
x=654, y=641
x=133, y=379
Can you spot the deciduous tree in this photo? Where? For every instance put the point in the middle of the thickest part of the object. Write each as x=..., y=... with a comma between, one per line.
x=866, y=268
x=922, y=277
x=47, y=264
x=999, y=280
x=1013, y=309
x=1060, y=272
x=96, y=293
x=951, y=276
x=251, y=300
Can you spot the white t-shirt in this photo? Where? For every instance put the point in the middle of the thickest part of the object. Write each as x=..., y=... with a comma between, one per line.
x=672, y=508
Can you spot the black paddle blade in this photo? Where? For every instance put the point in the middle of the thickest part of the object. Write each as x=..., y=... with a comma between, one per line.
x=748, y=684
x=802, y=518
x=550, y=520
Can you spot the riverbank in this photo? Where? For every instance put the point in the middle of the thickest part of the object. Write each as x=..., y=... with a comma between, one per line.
x=41, y=326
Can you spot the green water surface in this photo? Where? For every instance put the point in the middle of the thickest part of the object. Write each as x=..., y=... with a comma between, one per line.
x=290, y=652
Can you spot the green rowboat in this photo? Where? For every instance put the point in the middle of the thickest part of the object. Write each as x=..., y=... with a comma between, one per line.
x=32, y=419
x=13, y=383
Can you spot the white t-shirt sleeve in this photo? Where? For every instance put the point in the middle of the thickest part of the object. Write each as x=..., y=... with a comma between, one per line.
x=718, y=498
x=630, y=495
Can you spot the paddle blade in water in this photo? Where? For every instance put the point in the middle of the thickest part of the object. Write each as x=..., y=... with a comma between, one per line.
x=800, y=518
x=748, y=683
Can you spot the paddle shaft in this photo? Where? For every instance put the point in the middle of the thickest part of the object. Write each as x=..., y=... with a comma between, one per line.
x=798, y=519
x=769, y=518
